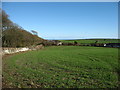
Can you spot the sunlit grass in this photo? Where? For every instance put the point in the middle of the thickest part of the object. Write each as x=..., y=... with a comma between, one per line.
x=62, y=66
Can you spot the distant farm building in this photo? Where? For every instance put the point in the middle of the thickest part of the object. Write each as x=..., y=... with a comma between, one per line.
x=59, y=43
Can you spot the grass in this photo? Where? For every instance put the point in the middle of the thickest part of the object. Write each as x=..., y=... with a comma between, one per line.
x=89, y=41
x=62, y=67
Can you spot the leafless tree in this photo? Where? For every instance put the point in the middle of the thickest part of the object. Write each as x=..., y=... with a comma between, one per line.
x=34, y=32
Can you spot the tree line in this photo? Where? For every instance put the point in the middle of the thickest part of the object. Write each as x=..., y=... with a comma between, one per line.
x=14, y=35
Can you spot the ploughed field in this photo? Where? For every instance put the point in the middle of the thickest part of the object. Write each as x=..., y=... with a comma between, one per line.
x=62, y=66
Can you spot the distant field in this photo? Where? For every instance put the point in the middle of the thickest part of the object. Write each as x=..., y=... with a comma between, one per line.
x=88, y=41
x=62, y=66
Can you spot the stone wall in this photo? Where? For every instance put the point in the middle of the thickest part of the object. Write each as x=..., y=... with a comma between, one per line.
x=7, y=50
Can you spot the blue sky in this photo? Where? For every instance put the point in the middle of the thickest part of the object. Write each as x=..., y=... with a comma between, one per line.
x=66, y=20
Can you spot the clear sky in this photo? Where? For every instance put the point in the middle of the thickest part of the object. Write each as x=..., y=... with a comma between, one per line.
x=66, y=20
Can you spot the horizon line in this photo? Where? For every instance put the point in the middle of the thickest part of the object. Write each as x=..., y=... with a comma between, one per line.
x=81, y=39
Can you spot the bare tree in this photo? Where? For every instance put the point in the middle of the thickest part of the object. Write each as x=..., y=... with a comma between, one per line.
x=34, y=32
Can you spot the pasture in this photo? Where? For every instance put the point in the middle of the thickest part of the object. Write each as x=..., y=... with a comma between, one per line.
x=62, y=67
x=90, y=41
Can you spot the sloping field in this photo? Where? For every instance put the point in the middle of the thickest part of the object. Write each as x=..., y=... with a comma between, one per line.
x=89, y=41
x=62, y=66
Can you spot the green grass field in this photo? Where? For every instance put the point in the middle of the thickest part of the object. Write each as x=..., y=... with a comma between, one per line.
x=62, y=66
x=89, y=41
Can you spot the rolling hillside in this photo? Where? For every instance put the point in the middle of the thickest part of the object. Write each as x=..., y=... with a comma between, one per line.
x=15, y=36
